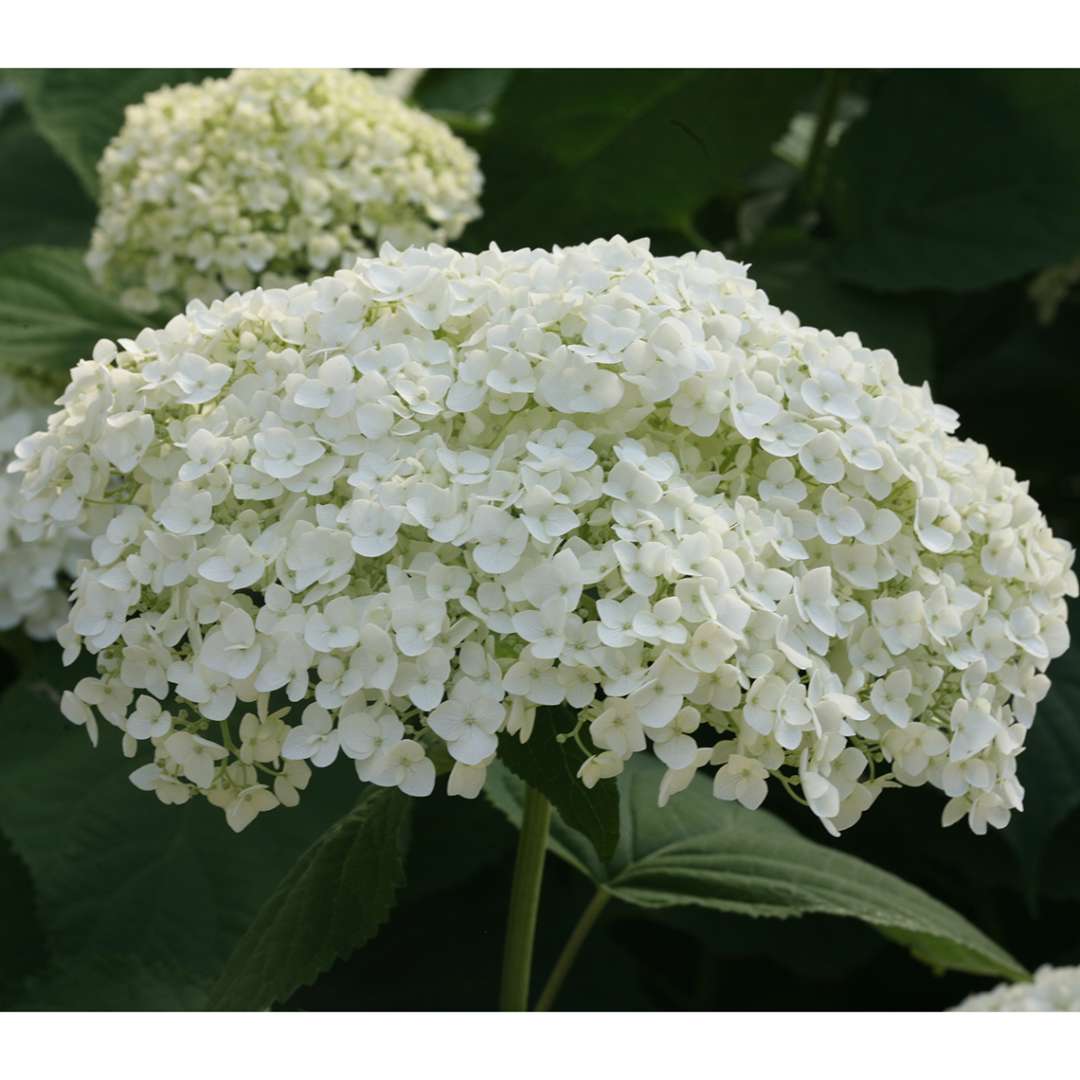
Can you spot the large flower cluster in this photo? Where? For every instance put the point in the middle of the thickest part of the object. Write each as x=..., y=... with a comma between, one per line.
x=31, y=573
x=1052, y=990
x=426, y=496
x=270, y=177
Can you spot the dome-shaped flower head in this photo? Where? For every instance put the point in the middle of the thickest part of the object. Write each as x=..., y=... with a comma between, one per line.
x=270, y=177
x=421, y=500
x=31, y=568
x=1051, y=990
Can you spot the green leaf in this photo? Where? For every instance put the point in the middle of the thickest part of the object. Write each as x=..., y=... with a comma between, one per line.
x=78, y=110
x=106, y=981
x=51, y=313
x=813, y=946
x=583, y=154
x=332, y=901
x=959, y=179
x=552, y=766
x=22, y=941
x=451, y=841
x=465, y=98
x=793, y=270
x=997, y=378
x=134, y=895
x=699, y=851
x=1049, y=767
x=1061, y=877
x=41, y=200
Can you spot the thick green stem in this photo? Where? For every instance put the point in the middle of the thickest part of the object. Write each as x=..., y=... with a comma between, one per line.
x=572, y=948
x=524, y=903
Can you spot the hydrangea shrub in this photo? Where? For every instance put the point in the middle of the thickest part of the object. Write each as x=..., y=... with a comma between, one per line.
x=270, y=176
x=423, y=498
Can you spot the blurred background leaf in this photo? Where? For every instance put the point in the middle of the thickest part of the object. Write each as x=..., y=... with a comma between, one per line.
x=1049, y=768
x=23, y=951
x=78, y=110
x=51, y=313
x=573, y=155
x=466, y=98
x=151, y=897
x=41, y=199
x=959, y=179
x=792, y=268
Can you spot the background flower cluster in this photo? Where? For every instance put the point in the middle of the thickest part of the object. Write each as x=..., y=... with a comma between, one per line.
x=270, y=176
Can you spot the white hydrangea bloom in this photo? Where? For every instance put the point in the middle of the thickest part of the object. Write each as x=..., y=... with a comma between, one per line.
x=31, y=593
x=420, y=498
x=270, y=177
x=1051, y=990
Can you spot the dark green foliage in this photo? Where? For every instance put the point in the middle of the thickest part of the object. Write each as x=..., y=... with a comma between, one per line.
x=41, y=200
x=464, y=98
x=574, y=155
x=52, y=313
x=793, y=269
x=155, y=897
x=334, y=899
x=959, y=180
x=79, y=111
x=725, y=858
x=1050, y=766
x=22, y=940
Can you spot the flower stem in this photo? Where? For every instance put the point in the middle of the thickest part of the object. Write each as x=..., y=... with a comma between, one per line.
x=524, y=903
x=572, y=948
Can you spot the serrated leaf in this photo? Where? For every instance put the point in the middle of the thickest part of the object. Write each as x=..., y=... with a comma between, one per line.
x=41, y=200
x=334, y=899
x=583, y=154
x=959, y=179
x=78, y=110
x=552, y=766
x=141, y=903
x=700, y=851
x=51, y=313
